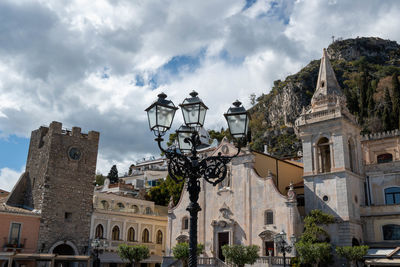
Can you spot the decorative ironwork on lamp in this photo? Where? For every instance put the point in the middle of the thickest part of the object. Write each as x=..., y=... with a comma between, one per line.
x=184, y=163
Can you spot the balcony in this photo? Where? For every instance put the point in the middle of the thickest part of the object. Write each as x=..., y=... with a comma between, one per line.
x=13, y=245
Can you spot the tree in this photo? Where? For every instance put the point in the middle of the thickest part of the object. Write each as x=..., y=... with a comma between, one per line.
x=313, y=253
x=171, y=139
x=387, y=112
x=370, y=99
x=181, y=252
x=161, y=194
x=134, y=254
x=352, y=254
x=240, y=254
x=313, y=247
x=113, y=175
x=253, y=99
x=99, y=179
x=396, y=100
x=220, y=135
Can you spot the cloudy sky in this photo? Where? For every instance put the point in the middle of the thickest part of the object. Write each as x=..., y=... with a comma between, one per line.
x=99, y=64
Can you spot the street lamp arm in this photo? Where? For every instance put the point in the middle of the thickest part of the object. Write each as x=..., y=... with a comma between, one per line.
x=159, y=139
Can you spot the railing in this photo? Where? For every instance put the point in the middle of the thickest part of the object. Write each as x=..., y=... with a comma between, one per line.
x=14, y=245
x=273, y=260
x=279, y=260
x=211, y=261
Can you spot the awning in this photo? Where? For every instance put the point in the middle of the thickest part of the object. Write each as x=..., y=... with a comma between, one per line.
x=383, y=252
x=383, y=262
x=112, y=257
x=42, y=257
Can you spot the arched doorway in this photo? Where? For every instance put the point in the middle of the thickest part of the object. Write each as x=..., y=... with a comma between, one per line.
x=63, y=249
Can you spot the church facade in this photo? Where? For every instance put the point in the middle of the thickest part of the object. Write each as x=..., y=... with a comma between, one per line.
x=246, y=208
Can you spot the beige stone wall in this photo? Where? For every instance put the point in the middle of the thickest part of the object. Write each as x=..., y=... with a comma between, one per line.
x=237, y=209
x=377, y=145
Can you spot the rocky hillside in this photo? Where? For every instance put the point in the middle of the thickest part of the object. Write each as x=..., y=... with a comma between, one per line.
x=364, y=68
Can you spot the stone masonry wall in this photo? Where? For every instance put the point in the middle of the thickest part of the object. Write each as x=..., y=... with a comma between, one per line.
x=63, y=187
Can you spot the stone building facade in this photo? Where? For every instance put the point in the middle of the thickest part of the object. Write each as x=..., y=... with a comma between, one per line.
x=119, y=219
x=58, y=184
x=353, y=177
x=246, y=208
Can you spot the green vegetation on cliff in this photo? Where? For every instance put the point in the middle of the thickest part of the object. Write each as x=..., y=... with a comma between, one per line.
x=368, y=71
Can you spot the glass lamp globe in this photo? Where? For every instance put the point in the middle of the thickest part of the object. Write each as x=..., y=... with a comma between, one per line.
x=193, y=110
x=161, y=114
x=238, y=120
x=182, y=133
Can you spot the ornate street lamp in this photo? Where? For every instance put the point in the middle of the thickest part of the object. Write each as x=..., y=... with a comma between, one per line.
x=98, y=245
x=282, y=245
x=184, y=162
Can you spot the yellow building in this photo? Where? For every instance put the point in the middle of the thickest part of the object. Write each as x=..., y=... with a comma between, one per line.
x=119, y=219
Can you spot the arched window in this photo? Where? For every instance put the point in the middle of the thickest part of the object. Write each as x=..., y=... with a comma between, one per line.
x=104, y=204
x=148, y=210
x=120, y=205
x=352, y=155
x=115, y=233
x=135, y=208
x=227, y=181
x=324, y=155
x=383, y=158
x=131, y=234
x=185, y=223
x=99, y=231
x=159, y=237
x=392, y=195
x=268, y=217
x=391, y=232
x=146, y=236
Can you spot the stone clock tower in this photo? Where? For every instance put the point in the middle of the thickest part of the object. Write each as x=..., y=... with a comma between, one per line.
x=60, y=170
x=333, y=180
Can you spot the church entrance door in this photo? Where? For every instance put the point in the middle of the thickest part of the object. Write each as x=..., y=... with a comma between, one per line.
x=223, y=239
x=269, y=248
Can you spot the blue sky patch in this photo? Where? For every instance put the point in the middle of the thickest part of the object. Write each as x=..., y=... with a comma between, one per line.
x=174, y=67
x=13, y=152
x=139, y=81
x=248, y=4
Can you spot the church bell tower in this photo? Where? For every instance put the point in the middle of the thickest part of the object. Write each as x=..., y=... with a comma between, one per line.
x=332, y=158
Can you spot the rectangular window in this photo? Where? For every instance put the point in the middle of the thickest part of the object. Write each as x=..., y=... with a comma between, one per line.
x=68, y=216
x=15, y=233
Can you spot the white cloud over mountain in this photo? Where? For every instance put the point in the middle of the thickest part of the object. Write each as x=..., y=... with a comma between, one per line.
x=99, y=64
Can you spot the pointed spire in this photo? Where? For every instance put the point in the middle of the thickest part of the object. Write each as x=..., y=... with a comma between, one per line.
x=327, y=83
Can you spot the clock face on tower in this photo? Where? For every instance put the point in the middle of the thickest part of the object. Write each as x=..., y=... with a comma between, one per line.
x=74, y=153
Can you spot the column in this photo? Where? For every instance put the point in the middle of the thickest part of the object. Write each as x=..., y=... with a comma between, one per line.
x=315, y=159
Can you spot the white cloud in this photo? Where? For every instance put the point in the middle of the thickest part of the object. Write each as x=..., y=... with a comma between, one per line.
x=53, y=55
x=8, y=178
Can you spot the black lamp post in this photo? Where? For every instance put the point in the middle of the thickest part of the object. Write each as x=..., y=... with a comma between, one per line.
x=184, y=163
x=282, y=245
x=97, y=247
